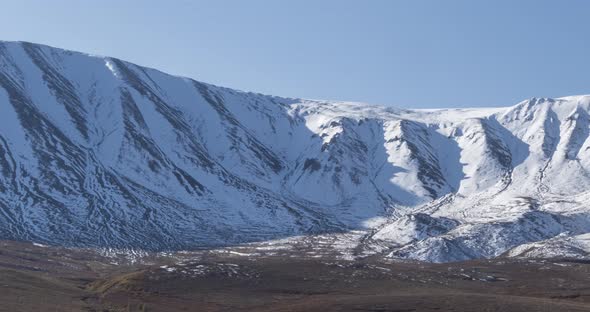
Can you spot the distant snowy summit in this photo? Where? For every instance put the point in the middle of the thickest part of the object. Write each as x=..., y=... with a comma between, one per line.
x=99, y=152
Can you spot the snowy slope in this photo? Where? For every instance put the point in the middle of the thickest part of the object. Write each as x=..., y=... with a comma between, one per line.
x=99, y=152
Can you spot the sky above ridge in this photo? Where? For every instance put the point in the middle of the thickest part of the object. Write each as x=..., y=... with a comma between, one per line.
x=415, y=53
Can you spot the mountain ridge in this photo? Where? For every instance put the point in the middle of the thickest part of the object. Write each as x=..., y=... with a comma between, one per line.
x=99, y=152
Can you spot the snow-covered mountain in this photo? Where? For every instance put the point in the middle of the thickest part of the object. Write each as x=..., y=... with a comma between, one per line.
x=99, y=152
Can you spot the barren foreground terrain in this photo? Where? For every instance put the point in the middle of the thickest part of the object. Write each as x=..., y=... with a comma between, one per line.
x=41, y=278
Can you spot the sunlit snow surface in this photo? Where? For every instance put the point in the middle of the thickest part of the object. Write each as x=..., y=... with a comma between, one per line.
x=98, y=152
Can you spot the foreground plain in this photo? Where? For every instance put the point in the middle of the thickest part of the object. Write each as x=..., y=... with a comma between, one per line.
x=41, y=278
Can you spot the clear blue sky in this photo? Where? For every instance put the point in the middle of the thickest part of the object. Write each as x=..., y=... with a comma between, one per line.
x=403, y=53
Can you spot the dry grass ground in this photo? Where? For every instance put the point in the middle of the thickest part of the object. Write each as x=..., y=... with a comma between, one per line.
x=55, y=279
